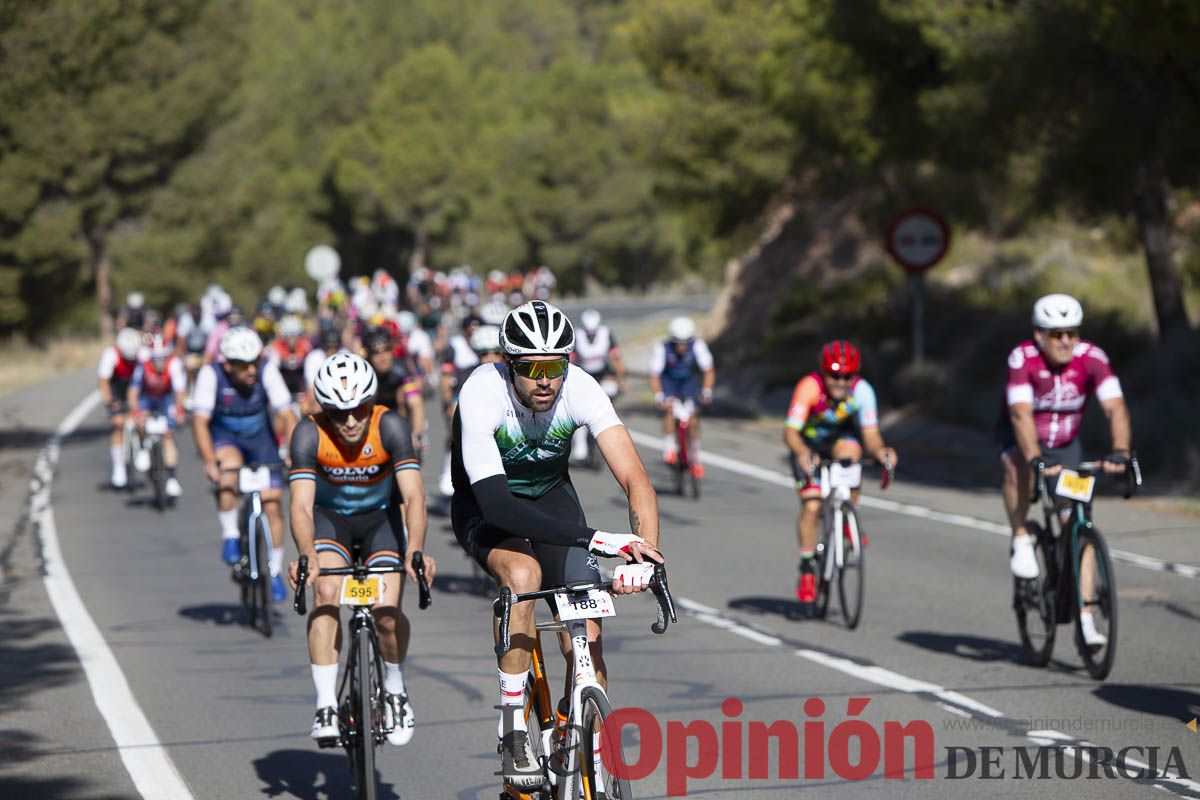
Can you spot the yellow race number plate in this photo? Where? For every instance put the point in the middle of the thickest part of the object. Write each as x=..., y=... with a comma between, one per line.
x=366, y=592
x=1075, y=486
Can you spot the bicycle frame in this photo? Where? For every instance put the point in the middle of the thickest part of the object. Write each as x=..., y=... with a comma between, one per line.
x=838, y=497
x=682, y=411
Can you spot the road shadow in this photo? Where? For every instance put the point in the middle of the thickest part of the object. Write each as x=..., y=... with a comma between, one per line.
x=216, y=613
x=27, y=667
x=37, y=437
x=311, y=775
x=1180, y=704
x=19, y=747
x=972, y=648
x=774, y=606
x=482, y=586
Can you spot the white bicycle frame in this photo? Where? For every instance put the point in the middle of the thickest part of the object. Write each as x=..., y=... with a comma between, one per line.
x=837, y=484
x=246, y=474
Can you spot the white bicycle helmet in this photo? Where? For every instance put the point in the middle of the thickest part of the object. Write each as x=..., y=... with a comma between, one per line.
x=590, y=320
x=277, y=295
x=486, y=339
x=493, y=313
x=135, y=300
x=296, y=302
x=1057, y=311
x=159, y=349
x=129, y=342
x=406, y=321
x=537, y=329
x=241, y=344
x=682, y=329
x=290, y=326
x=344, y=381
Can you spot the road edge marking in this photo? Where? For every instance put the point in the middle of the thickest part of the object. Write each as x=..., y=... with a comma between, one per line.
x=146, y=760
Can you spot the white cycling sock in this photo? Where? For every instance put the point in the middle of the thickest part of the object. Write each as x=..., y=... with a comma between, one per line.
x=325, y=679
x=669, y=445
x=276, y=559
x=228, y=519
x=512, y=702
x=116, y=452
x=393, y=679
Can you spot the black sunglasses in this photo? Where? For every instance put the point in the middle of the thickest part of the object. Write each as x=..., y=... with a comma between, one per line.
x=360, y=412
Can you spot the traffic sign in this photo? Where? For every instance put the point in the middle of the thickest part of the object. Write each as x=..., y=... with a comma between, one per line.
x=918, y=239
x=322, y=263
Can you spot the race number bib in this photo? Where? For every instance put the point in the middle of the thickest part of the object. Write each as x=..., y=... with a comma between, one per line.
x=366, y=592
x=254, y=480
x=592, y=605
x=841, y=476
x=1075, y=486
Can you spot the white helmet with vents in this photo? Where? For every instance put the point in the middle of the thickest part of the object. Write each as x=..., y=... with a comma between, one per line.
x=1057, y=311
x=682, y=329
x=590, y=320
x=344, y=381
x=290, y=326
x=493, y=313
x=486, y=339
x=129, y=342
x=241, y=344
x=537, y=329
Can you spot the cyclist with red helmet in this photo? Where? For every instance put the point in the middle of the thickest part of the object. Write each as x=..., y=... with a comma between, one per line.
x=833, y=414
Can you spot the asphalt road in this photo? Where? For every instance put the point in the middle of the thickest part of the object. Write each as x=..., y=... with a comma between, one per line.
x=937, y=644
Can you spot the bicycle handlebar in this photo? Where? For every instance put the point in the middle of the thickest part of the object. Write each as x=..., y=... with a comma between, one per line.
x=1131, y=477
x=299, y=601
x=502, y=605
x=889, y=469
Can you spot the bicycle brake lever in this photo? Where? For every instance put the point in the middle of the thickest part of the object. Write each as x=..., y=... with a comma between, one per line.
x=418, y=562
x=502, y=608
x=662, y=593
x=300, y=602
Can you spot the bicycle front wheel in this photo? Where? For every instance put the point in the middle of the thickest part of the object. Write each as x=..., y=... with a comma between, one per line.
x=851, y=580
x=825, y=564
x=158, y=475
x=363, y=695
x=600, y=745
x=1034, y=601
x=1101, y=601
x=262, y=587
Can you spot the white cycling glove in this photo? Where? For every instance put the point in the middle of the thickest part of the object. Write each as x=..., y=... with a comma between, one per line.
x=612, y=544
x=636, y=575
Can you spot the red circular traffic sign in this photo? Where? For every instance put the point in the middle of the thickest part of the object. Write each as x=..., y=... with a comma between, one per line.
x=918, y=239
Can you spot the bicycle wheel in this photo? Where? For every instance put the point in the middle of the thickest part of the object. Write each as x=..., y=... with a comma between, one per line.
x=158, y=474
x=262, y=587
x=241, y=570
x=363, y=692
x=824, y=551
x=597, y=781
x=1034, y=601
x=851, y=581
x=1103, y=605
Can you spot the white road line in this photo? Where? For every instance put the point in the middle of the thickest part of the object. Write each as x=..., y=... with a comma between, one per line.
x=148, y=763
x=961, y=520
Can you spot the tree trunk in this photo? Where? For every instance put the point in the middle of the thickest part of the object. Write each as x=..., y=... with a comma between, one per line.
x=101, y=267
x=1154, y=227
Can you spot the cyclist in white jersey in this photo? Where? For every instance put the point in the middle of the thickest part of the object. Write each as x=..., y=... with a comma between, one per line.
x=515, y=510
x=597, y=354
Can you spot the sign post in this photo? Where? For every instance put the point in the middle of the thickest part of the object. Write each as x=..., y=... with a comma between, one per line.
x=917, y=239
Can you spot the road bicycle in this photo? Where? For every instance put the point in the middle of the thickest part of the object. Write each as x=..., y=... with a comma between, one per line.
x=252, y=571
x=131, y=445
x=840, y=555
x=155, y=429
x=360, y=709
x=1067, y=538
x=570, y=757
x=687, y=453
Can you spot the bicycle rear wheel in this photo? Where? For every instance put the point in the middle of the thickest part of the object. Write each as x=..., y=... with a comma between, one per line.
x=1034, y=601
x=597, y=781
x=1103, y=605
x=262, y=587
x=851, y=580
x=363, y=691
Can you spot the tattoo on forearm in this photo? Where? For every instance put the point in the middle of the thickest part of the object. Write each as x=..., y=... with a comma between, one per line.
x=635, y=522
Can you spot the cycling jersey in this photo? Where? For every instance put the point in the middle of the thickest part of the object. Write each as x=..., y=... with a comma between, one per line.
x=402, y=378
x=1059, y=397
x=667, y=363
x=243, y=413
x=116, y=368
x=291, y=361
x=591, y=350
x=821, y=421
x=458, y=361
x=495, y=435
x=352, y=479
x=165, y=382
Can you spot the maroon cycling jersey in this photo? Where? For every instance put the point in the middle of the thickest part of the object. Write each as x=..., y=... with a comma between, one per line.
x=1059, y=397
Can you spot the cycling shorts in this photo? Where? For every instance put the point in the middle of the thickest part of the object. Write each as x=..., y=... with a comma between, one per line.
x=560, y=564
x=688, y=389
x=164, y=405
x=120, y=396
x=258, y=449
x=811, y=487
x=1069, y=455
x=378, y=541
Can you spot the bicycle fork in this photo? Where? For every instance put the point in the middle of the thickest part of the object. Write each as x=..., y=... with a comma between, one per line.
x=256, y=513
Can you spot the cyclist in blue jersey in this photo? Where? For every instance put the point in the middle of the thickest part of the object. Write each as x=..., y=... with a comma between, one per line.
x=232, y=426
x=681, y=368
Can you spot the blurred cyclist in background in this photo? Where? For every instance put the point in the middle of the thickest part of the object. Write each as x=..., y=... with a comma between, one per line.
x=158, y=387
x=114, y=374
x=681, y=368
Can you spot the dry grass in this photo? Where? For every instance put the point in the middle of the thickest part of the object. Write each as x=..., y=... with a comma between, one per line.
x=22, y=363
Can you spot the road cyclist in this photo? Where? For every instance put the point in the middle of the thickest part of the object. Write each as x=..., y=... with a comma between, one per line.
x=597, y=354
x=114, y=373
x=515, y=510
x=159, y=388
x=682, y=371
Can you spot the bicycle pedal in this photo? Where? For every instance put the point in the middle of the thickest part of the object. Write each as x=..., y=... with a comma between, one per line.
x=331, y=741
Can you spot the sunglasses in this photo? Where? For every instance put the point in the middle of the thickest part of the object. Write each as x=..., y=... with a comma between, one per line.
x=1061, y=333
x=339, y=416
x=841, y=376
x=536, y=370
x=241, y=365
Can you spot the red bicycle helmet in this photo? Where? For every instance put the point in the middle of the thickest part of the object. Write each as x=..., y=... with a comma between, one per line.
x=839, y=357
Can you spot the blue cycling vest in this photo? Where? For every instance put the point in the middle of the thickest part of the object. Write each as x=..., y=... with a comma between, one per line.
x=243, y=415
x=679, y=368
